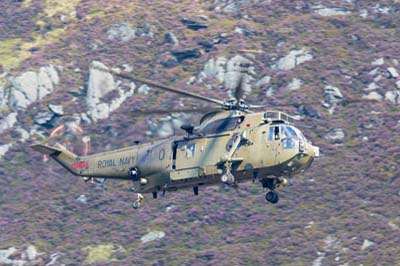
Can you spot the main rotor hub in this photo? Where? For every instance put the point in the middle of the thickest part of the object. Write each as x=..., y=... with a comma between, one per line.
x=233, y=104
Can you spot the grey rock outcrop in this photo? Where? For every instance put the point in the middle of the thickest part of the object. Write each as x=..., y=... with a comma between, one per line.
x=56, y=109
x=82, y=198
x=167, y=126
x=8, y=122
x=373, y=95
x=366, y=244
x=231, y=72
x=31, y=86
x=378, y=62
x=170, y=38
x=293, y=59
x=393, y=96
x=295, y=84
x=44, y=118
x=4, y=149
x=143, y=30
x=215, y=67
x=186, y=54
x=239, y=69
x=144, y=89
x=101, y=83
x=336, y=135
x=392, y=72
x=263, y=81
x=193, y=25
x=328, y=11
x=3, y=97
x=152, y=236
x=121, y=32
x=332, y=96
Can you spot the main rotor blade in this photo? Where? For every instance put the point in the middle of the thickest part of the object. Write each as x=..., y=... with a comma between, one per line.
x=165, y=111
x=161, y=86
x=341, y=102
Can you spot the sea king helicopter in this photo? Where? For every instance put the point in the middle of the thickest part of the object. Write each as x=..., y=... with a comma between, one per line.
x=231, y=144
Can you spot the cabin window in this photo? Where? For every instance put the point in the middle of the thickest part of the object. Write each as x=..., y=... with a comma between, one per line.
x=190, y=150
x=222, y=125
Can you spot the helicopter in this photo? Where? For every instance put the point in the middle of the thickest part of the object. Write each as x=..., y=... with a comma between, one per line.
x=232, y=144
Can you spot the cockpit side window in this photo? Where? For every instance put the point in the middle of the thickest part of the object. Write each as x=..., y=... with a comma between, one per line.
x=276, y=133
x=273, y=133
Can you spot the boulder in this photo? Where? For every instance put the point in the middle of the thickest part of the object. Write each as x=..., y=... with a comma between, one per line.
x=4, y=149
x=328, y=11
x=144, y=30
x=165, y=130
x=392, y=72
x=44, y=119
x=206, y=45
x=308, y=111
x=144, y=89
x=5, y=254
x=336, y=135
x=152, y=236
x=100, y=111
x=82, y=199
x=332, y=96
x=8, y=122
x=53, y=260
x=31, y=253
x=100, y=83
x=31, y=86
x=24, y=134
x=121, y=32
x=293, y=59
x=393, y=96
x=56, y=109
x=243, y=30
x=186, y=54
x=3, y=97
x=263, y=81
x=295, y=84
x=398, y=84
x=371, y=87
x=378, y=62
x=170, y=38
x=366, y=244
x=193, y=25
x=239, y=68
x=168, y=60
x=373, y=95
x=215, y=67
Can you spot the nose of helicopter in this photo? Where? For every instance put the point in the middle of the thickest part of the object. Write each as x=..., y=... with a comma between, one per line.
x=306, y=155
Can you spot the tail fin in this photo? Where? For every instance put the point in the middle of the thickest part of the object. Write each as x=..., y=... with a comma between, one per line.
x=59, y=153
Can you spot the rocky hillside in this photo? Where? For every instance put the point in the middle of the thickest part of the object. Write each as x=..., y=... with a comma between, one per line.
x=343, y=211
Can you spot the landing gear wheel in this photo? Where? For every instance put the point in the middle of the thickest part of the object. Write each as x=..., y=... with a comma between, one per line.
x=136, y=204
x=272, y=197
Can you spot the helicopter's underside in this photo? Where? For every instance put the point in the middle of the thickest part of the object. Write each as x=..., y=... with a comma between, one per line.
x=293, y=166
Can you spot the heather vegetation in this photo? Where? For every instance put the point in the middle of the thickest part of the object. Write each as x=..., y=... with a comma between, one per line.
x=343, y=211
